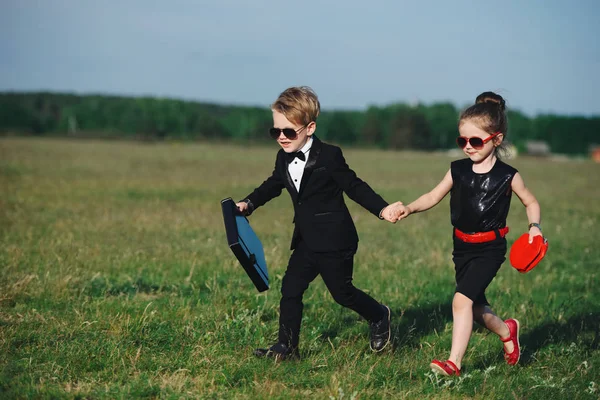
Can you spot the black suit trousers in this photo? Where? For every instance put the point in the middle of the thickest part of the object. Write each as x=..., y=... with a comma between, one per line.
x=336, y=270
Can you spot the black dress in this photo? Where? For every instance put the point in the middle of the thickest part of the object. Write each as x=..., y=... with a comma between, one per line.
x=479, y=203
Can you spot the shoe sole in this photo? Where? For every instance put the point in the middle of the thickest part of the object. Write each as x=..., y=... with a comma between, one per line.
x=278, y=357
x=438, y=370
x=518, y=342
x=389, y=332
x=287, y=358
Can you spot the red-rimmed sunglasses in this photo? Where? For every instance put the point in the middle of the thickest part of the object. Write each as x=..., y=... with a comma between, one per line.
x=476, y=143
x=288, y=132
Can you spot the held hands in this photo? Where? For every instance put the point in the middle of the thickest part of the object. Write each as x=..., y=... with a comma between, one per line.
x=395, y=212
x=391, y=212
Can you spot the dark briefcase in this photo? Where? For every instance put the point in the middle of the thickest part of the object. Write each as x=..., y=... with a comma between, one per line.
x=245, y=244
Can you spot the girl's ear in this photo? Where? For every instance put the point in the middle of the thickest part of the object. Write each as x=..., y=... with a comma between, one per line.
x=498, y=139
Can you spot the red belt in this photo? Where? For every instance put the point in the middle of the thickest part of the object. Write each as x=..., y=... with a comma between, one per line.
x=480, y=237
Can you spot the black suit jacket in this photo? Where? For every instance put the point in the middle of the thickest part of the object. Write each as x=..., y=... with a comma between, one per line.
x=321, y=217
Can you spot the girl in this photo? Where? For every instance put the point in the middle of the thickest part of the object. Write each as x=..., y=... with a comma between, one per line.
x=480, y=189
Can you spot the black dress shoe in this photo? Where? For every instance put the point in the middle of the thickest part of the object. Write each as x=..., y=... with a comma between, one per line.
x=279, y=351
x=381, y=331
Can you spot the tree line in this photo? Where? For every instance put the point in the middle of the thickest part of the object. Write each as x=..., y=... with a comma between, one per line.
x=395, y=126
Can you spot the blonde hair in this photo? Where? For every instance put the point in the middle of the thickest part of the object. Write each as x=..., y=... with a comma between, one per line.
x=299, y=104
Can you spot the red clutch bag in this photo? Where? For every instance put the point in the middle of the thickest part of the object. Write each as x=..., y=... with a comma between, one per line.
x=524, y=256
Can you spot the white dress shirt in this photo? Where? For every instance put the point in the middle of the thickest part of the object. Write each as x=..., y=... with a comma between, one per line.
x=296, y=167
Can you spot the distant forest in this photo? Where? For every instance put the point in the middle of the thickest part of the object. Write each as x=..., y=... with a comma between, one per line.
x=395, y=126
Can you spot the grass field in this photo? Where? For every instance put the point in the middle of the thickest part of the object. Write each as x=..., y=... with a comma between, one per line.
x=117, y=282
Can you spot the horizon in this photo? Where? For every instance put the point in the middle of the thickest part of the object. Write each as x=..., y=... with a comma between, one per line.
x=242, y=105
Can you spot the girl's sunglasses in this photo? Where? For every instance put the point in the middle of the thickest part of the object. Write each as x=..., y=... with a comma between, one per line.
x=476, y=143
x=288, y=132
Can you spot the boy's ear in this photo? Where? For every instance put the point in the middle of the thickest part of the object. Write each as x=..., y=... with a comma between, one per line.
x=311, y=128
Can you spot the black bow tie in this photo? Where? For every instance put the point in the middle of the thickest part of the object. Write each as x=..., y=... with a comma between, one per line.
x=291, y=156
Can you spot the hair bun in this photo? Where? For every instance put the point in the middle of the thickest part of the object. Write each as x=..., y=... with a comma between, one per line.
x=492, y=98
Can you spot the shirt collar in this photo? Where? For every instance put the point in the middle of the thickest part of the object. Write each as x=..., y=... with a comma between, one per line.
x=306, y=148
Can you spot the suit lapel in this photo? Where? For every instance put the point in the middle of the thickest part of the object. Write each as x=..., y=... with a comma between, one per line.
x=313, y=155
x=283, y=166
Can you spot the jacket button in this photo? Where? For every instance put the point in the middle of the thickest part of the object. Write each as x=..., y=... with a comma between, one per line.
x=299, y=203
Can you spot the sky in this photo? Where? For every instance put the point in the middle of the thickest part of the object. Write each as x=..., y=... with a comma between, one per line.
x=541, y=56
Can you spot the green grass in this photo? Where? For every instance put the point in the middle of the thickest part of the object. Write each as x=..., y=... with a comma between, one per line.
x=116, y=281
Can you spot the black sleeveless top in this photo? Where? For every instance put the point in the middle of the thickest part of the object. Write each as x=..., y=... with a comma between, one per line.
x=480, y=202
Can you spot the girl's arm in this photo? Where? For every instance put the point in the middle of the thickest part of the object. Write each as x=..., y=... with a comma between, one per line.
x=428, y=200
x=532, y=207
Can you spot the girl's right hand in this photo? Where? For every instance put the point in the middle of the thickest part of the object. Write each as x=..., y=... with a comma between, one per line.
x=402, y=212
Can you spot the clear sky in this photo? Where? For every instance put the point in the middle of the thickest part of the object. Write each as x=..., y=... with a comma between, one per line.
x=542, y=56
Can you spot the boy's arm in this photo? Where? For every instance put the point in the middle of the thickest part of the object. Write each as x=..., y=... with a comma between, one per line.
x=428, y=200
x=268, y=190
x=532, y=207
x=356, y=188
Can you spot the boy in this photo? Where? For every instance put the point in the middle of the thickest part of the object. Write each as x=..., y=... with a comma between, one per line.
x=324, y=240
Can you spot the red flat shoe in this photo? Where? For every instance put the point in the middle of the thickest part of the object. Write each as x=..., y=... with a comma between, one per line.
x=513, y=328
x=446, y=368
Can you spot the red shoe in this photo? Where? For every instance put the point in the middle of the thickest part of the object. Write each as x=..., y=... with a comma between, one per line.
x=446, y=368
x=513, y=328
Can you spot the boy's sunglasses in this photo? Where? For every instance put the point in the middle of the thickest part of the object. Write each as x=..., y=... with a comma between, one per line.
x=476, y=143
x=288, y=132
